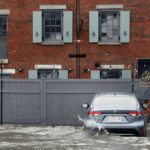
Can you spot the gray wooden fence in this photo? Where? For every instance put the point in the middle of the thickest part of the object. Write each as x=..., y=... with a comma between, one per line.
x=52, y=102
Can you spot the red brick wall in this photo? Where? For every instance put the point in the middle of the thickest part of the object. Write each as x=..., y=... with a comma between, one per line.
x=147, y=111
x=22, y=52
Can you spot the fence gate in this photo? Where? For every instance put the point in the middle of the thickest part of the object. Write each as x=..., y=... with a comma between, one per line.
x=52, y=102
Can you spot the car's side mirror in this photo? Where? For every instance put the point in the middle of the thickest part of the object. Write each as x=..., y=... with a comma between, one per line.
x=145, y=105
x=85, y=106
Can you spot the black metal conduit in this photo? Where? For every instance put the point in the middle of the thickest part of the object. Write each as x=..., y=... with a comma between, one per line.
x=132, y=77
x=77, y=38
x=1, y=100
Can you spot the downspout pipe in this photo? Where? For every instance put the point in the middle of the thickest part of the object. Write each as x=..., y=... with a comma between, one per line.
x=77, y=38
x=1, y=99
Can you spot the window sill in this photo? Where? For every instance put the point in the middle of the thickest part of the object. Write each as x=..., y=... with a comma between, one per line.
x=108, y=43
x=8, y=71
x=46, y=7
x=4, y=61
x=52, y=43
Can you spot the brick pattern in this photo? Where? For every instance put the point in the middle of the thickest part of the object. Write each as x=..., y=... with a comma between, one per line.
x=148, y=110
x=22, y=52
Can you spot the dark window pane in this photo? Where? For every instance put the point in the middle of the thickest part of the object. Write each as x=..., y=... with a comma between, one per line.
x=47, y=35
x=53, y=22
x=53, y=29
x=58, y=22
x=4, y=20
x=4, y=33
x=1, y=20
x=47, y=15
x=114, y=73
x=58, y=29
x=104, y=16
x=4, y=27
x=115, y=14
x=3, y=37
x=47, y=22
x=47, y=29
x=104, y=34
x=48, y=74
x=58, y=14
x=52, y=14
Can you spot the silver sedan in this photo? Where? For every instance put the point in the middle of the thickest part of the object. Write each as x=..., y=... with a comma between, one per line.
x=117, y=113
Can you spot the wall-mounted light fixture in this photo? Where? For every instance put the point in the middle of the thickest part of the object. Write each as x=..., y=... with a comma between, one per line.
x=129, y=66
x=86, y=70
x=97, y=64
x=70, y=70
x=107, y=53
x=21, y=69
x=110, y=67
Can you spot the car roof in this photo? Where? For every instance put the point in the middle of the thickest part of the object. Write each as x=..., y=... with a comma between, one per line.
x=115, y=94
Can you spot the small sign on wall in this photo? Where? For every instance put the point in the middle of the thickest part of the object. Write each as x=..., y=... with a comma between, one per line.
x=53, y=66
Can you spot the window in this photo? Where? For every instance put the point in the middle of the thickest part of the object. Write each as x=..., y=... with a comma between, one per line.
x=109, y=25
x=110, y=73
x=115, y=101
x=109, y=28
x=7, y=73
x=48, y=74
x=52, y=26
x=3, y=37
x=6, y=76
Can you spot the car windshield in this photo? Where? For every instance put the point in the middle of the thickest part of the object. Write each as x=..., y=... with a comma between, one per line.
x=114, y=101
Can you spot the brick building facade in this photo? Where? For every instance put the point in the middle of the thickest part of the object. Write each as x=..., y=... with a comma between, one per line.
x=44, y=36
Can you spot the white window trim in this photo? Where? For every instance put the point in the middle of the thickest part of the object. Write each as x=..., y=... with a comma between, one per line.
x=53, y=66
x=42, y=7
x=113, y=66
x=117, y=6
x=8, y=71
x=4, y=61
x=4, y=12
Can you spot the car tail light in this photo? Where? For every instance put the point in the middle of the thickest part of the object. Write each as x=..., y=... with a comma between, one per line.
x=136, y=113
x=94, y=113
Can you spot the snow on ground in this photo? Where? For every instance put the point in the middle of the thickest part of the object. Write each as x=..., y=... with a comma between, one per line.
x=18, y=137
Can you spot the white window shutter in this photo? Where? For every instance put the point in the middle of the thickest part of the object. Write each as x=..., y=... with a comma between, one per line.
x=125, y=26
x=93, y=27
x=37, y=26
x=63, y=74
x=67, y=26
x=32, y=74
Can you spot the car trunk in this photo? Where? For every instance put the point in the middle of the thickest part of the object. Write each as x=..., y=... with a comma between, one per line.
x=117, y=116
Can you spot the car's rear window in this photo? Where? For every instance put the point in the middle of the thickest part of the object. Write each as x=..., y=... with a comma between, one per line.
x=115, y=101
